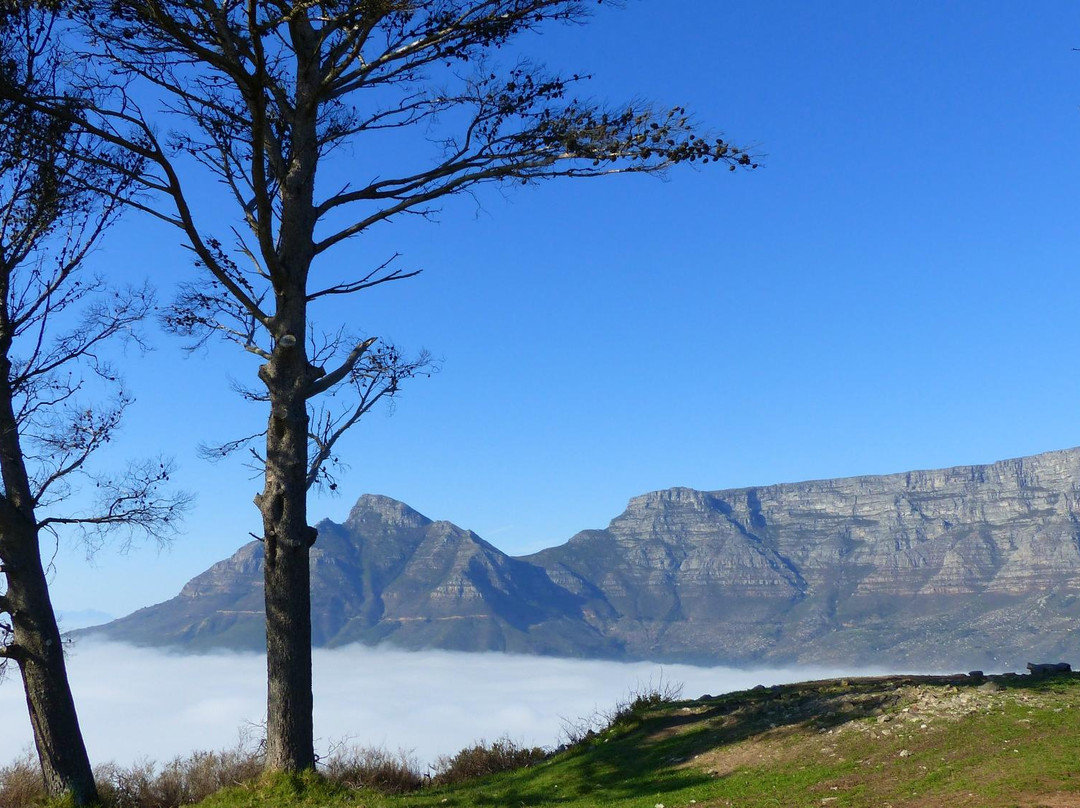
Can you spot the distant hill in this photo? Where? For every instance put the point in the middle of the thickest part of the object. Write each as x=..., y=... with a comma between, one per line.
x=70, y=620
x=974, y=566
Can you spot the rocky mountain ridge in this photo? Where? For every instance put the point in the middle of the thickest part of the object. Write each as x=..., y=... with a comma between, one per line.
x=972, y=565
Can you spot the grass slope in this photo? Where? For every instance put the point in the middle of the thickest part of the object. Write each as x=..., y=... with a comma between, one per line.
x=997, y=742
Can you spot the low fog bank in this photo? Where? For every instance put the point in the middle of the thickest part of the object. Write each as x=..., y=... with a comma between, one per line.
x=138, y=703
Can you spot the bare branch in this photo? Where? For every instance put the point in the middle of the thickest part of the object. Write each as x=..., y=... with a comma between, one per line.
x=141, y=141
x=375, y=277
x=133, y=500
x=341, y=371
x=372, y=377
x=214, y=453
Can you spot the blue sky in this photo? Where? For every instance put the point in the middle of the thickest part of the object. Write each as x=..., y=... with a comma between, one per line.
x=894, y=289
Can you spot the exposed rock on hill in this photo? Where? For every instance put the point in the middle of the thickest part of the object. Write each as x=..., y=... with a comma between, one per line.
x=974, y=565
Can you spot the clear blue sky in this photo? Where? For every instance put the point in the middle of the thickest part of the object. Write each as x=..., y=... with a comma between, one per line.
x=895, y=288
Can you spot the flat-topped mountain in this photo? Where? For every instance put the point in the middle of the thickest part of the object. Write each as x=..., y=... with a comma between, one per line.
x=971, y=566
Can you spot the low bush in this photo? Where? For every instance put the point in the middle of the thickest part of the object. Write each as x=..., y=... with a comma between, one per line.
x=21, y=784
x=189, y=780
x=484, y=759
x=182, y=781
x=642, y=698
x=628, y=712
x=391, y=773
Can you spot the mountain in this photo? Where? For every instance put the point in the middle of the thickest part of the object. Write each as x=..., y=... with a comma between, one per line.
x=388, y=573
x=975, y=564
x=82, y=618
x=970, y=566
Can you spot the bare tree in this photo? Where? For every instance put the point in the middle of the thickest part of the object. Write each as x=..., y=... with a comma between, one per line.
x=261, y=93
x=54, y=323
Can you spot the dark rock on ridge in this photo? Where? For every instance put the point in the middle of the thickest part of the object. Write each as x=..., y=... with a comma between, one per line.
x=974, y=566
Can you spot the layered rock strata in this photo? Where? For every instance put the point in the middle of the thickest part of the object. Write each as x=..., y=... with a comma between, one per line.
x=974, y=565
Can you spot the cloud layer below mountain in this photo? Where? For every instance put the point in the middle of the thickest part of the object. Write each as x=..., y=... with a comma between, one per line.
x=139, y=703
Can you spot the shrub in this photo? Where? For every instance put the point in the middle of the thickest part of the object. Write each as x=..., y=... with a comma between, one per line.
x=181, y=781
x=21, y=783
x=642, y=698
x=391, y=773
x=576, y=731
x=484, y=759
x=626, y=713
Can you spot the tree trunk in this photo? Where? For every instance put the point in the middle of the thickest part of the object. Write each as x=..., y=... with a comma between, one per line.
x=287, y=540
x=40, y=654
x=287, y=537
x=36, y=645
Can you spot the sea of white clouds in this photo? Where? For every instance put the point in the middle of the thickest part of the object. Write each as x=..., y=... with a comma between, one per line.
x=142, y=704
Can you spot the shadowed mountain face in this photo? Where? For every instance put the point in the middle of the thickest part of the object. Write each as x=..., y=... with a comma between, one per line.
x=971, y=566
x=387, y=573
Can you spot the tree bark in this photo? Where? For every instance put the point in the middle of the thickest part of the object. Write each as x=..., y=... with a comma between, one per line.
x=290, y=742
x=36, y=644
x=287, y=540
x=287, y=537
x=39, y=652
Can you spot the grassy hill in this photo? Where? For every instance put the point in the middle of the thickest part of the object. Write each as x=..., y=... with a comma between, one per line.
x=909, y=741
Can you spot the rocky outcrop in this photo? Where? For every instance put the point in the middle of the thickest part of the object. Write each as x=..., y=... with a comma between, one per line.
x=974, y=566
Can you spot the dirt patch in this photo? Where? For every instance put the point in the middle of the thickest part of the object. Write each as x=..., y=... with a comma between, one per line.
x=877, y=742
x=1061, y=799
x=765, y=750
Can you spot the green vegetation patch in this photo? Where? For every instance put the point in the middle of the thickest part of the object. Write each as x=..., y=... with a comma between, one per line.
x=899, y=741
x=306, y=790
x=904, y=742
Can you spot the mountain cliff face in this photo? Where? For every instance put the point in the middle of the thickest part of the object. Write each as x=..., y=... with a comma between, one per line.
x=974, y=565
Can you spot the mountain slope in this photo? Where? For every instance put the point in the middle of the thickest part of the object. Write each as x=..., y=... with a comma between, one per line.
x=974, y=566
x=387, y=573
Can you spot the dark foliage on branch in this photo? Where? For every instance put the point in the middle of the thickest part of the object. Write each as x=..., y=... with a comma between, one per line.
x=232, y=71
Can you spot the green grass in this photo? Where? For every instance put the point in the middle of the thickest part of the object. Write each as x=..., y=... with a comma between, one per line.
x=307, y=790
x=863, y=743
